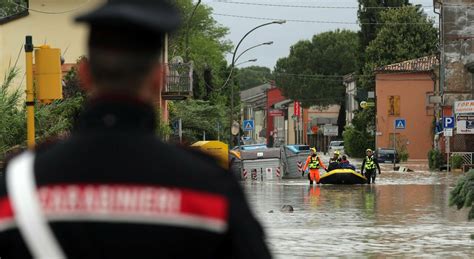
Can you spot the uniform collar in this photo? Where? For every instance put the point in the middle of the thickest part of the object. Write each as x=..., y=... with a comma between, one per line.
x=114, y=112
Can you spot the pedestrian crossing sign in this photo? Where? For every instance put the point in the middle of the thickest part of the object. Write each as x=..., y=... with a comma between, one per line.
x=248, y=125
x=400, y=124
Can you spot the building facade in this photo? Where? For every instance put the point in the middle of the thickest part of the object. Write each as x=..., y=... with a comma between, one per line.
x=57, y=30
x=405, y=116
x=276, y=130
x=349, y=82
x=51, y=22
x=254, y=107
x=315, y=119
x=456, y=63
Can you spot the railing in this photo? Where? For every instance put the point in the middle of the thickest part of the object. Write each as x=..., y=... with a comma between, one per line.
x=467, y=157
x=179, y=81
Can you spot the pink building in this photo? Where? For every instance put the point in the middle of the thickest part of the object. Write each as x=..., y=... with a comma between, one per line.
x=402, y=92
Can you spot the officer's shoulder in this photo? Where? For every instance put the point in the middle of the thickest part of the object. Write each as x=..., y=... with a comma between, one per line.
x=199, y=159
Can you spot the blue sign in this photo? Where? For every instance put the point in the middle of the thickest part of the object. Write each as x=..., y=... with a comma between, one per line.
x=448, y=122
x=248, y=125
x=400, y=124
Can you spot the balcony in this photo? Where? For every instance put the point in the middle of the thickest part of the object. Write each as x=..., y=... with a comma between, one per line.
x=179, y=81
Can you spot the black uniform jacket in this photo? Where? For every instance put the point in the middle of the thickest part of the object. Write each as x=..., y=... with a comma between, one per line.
x=113, y=190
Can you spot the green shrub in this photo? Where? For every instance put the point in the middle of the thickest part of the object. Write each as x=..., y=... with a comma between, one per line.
x=462, y=196
x=456, y=161
x=403, y=156
x=355, y=142
x=435, y=159
x=12, y=113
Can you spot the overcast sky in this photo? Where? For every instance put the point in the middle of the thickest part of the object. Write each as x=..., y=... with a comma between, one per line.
x=289, y=33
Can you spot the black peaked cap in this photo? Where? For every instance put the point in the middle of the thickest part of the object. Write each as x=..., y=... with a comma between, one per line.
x=153, y=15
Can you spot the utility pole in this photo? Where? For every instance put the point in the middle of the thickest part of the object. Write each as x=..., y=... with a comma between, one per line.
x=48, y=81
x=231, y=121
x=30, y=97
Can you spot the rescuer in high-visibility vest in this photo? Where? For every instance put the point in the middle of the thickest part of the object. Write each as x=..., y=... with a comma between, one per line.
x=334, y=161
x=370, y=165
x=314, y=163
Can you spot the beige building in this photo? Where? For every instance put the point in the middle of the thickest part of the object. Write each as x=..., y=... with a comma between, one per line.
x=352, y=106
x=50, y=22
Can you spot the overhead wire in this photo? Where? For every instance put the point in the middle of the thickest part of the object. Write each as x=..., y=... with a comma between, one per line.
x=323, y=22
x=313, y=6
x=332, y=7
x=49, y=12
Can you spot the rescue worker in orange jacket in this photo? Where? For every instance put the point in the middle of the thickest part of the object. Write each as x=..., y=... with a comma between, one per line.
x=314, y=163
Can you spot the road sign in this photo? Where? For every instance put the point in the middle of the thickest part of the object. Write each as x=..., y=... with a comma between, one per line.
x=275, y=112
x=464, y=107
x=464, y=124
x=400, y=124
x=364, y=105
x=448, y=122
x=330, y=130
x=448, y=132
x=248, y=125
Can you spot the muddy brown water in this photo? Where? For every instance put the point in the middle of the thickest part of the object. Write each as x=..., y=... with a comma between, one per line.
x=402, y=215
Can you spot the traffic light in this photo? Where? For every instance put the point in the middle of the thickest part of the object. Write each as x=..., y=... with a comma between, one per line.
x=48, y=77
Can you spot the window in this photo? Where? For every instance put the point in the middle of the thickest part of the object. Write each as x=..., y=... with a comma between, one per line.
x=394, y=105
x=12, y=9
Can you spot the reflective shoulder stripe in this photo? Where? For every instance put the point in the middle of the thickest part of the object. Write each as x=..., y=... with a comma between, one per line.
x=31, y=222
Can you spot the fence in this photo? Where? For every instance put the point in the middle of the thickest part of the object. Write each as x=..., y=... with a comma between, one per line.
x=467, y=157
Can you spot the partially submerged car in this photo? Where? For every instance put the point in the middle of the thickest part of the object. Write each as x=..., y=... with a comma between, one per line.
x=386, y=155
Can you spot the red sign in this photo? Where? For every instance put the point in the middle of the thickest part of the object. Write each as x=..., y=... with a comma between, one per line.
x=314, y=129
x=297, y=109
x=275, y=112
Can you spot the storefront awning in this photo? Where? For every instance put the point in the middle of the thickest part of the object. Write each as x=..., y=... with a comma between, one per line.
x=283, y=104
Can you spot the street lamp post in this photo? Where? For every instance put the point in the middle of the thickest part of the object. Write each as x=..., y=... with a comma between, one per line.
x=236, y=59
x=248, y=61
x=256, y=46
x=186, y=50
x=232, y=67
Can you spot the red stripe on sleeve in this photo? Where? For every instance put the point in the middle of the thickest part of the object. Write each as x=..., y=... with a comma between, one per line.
x=6, y=211
x=204, y=204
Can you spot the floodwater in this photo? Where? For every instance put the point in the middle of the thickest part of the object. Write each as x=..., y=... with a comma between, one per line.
x=402, y=215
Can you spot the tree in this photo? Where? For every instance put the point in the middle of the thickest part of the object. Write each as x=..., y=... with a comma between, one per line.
x=402, y=34
x=200, y=117
x=406, y=34
x=312, y=73
x=11, y=7
x=252, y=76
x=358, y=136
x=369, y=18
x=207, y=47
x=462, y=196
x=51, y=120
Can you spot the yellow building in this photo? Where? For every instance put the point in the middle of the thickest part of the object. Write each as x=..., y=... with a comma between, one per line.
x=49, y=22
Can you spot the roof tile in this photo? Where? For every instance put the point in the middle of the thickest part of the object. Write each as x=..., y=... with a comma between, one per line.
x=415, y=65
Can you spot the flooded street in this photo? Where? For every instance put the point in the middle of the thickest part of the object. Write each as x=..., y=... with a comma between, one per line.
x=403, y=214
